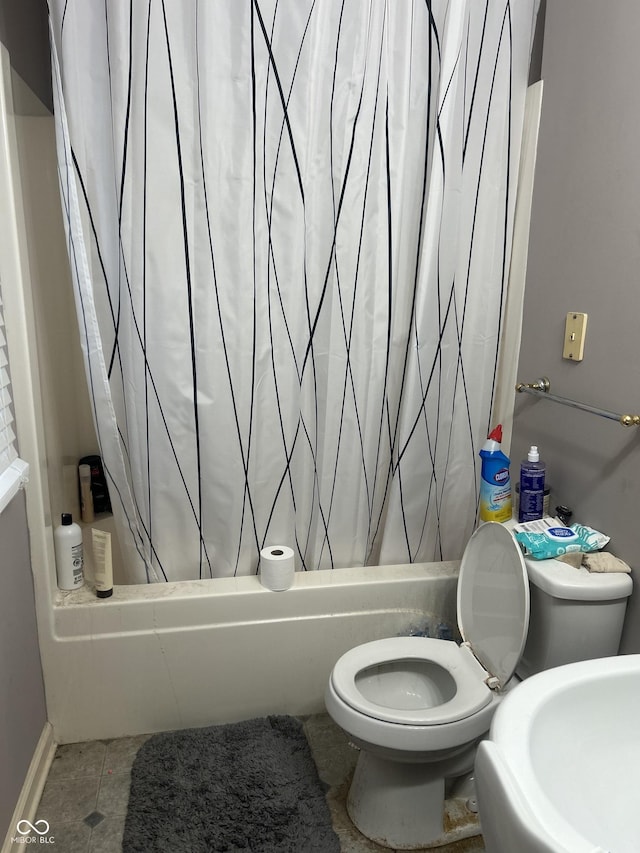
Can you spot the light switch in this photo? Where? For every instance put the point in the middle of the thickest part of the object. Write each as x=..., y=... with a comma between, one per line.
x=574, y=333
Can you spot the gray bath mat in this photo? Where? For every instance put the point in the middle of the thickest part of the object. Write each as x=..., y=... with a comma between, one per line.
x=250, y=786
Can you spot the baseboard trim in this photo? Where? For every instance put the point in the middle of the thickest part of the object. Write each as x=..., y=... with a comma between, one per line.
x=31, y=792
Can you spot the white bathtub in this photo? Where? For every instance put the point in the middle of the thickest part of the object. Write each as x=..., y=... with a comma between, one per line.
x=196, y=653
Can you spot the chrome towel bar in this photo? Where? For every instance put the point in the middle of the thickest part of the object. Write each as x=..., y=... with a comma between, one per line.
x=541, y=387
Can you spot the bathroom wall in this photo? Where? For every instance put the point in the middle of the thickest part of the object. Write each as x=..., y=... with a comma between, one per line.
x=584, y=255
x=22, y=704
x=24, y=29
x=68, y=428
x=68, y=424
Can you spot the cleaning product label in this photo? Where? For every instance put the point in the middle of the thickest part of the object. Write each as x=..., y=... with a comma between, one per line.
x=495, y=488
x=531, y=492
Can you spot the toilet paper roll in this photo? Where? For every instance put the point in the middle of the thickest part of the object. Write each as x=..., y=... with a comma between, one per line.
x=277, y=567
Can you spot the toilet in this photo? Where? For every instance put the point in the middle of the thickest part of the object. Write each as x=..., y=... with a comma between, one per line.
x=417, y=707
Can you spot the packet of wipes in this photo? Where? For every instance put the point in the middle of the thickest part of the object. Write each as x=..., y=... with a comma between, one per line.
x=548, y=538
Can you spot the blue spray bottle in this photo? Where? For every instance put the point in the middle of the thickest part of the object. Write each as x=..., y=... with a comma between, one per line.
x=495, y=480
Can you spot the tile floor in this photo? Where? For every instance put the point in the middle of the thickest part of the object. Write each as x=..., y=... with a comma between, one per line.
x=87, y=790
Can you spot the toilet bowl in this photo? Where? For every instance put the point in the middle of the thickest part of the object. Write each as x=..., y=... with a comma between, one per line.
x=418, y=695
x=417, y=706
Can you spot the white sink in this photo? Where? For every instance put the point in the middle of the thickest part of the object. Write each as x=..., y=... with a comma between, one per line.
x=560, y=771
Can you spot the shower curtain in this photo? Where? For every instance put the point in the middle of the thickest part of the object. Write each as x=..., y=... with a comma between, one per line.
x=289, y=225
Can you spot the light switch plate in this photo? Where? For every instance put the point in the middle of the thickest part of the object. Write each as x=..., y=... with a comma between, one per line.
x=574, y=333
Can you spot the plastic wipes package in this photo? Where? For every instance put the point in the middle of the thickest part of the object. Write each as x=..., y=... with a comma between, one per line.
x=548, y=538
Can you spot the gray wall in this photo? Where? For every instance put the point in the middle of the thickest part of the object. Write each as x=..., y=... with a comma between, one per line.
x=22, y=703
x=22, y=708
x=24, y=30
x=584, y=255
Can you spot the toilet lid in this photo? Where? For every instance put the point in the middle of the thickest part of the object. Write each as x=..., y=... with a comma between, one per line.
x=493, y=599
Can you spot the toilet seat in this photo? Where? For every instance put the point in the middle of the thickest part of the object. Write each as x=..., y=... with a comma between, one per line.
x=469, y=693
x=493, y=617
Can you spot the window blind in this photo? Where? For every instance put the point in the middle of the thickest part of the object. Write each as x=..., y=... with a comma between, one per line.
x=13, y=471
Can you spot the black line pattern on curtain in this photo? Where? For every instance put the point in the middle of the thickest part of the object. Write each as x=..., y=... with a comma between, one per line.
x=401, y=437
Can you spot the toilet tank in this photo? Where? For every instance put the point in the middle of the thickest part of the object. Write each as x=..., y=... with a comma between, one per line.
x=575, y=615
